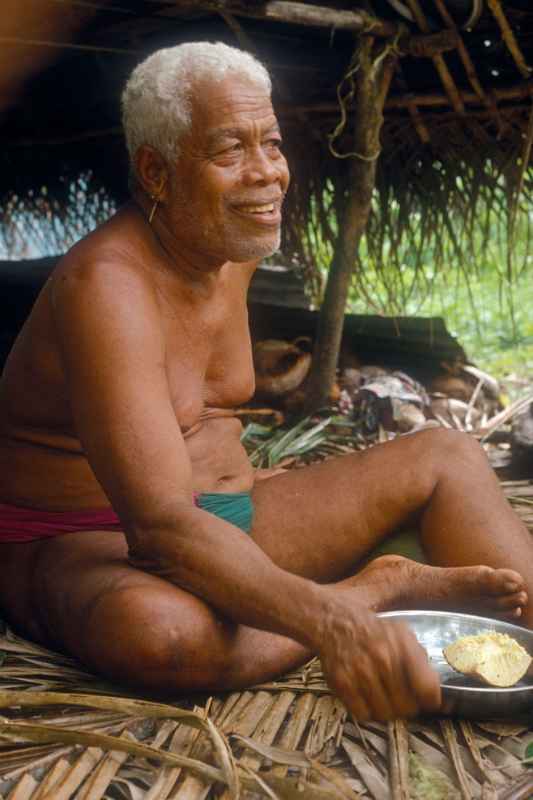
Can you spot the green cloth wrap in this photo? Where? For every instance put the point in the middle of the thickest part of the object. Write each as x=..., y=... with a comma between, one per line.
x=234, y=507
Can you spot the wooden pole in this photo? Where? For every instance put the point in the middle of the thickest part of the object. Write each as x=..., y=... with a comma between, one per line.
x=295, y=13
x=469, y=66
x=463, y=52
x=509, y=38
x=430, y=100
x=372, y=83
x=438, y=60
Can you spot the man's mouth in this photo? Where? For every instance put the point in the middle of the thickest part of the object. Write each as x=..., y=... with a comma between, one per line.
x=266, y=214
x=266, y=208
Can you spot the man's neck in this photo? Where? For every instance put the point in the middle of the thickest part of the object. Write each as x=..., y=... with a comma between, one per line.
x=202, y=271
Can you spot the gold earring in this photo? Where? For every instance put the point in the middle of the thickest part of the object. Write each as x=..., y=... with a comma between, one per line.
x=154, y=208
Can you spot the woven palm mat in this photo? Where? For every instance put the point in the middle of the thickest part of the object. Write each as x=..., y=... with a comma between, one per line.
x=66, y=734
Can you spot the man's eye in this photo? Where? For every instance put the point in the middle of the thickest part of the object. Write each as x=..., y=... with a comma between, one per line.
x=274, y=144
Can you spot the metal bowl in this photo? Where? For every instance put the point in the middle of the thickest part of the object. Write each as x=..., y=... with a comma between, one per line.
x=463, y=696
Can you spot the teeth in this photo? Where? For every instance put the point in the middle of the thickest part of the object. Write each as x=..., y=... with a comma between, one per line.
x=258, y=209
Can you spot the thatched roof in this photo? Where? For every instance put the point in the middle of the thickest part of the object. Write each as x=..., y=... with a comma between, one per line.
x=458, y=122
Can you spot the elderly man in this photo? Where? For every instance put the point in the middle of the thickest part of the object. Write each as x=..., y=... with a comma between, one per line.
x=141, y=539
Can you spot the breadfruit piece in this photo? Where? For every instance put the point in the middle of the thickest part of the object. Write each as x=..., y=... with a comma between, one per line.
x=494, y=658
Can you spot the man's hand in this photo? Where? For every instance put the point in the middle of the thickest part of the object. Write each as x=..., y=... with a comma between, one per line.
x=375, y=666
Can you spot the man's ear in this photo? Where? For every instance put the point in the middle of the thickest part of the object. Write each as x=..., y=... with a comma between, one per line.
x=152, y=172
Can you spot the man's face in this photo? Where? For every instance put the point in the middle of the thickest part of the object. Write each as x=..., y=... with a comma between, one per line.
x=230, y=178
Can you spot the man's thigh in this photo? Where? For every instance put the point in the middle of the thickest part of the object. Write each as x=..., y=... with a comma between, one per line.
x=89, y=601
x=321, y=520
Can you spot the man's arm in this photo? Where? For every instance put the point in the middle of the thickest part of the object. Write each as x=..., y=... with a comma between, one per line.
x=113, y=348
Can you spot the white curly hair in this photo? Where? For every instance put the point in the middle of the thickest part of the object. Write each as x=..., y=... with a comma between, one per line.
x=156, y=101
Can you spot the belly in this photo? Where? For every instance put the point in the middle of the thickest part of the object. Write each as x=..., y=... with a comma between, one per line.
x=50, y=478
x=219, y=461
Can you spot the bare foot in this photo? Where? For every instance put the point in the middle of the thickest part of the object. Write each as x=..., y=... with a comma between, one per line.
x=393, y=582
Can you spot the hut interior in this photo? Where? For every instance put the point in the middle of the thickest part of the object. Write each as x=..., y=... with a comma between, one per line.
x=450, y=152
x=452, y=155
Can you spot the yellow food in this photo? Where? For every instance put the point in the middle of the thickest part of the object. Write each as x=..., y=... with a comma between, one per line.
x=494, y=658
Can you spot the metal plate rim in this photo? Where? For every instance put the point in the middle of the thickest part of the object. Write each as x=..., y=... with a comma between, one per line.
x=500, y=691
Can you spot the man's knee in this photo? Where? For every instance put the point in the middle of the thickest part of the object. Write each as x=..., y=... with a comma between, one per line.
x=446, y=452
x=152, y=640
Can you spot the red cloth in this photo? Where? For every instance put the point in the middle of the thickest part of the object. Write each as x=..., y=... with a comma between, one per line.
x=28, y=524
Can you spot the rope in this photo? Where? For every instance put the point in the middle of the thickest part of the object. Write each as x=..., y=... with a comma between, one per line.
x=345, y=99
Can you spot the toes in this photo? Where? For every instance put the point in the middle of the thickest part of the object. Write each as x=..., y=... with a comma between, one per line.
x=512, y=601
x=505, y=581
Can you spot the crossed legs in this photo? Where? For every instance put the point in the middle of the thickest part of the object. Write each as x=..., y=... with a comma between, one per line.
x=85, y=597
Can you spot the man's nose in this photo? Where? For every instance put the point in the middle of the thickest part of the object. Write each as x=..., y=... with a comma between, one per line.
x=262, y=168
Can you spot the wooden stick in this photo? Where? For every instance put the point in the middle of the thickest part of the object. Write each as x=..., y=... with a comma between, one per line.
x=440, y=65
x=428, y=45
x=302, y=14
x=463, y=52
x=518, y=92
x=509, y=38
x=470, y=69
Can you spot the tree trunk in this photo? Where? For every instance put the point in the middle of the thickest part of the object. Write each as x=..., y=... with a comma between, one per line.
x=372, y=82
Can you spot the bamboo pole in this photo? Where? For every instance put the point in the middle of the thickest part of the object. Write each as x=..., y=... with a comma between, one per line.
x=372, y=80
x=509, y=38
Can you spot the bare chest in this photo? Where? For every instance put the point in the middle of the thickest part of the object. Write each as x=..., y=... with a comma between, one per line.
x=209, y=360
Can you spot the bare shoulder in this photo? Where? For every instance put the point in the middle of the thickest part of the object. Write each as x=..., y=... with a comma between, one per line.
x=106, y=266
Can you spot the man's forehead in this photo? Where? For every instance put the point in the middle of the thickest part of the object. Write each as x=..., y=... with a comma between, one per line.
x=230, y=102
x=267, y=125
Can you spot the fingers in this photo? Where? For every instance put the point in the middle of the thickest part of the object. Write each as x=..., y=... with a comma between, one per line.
x=420, y=676
x=409, y=683
x=389, y=677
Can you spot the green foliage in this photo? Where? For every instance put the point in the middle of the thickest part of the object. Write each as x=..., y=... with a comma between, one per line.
x=486, y=297
x=267, y=449
x=268, y=446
